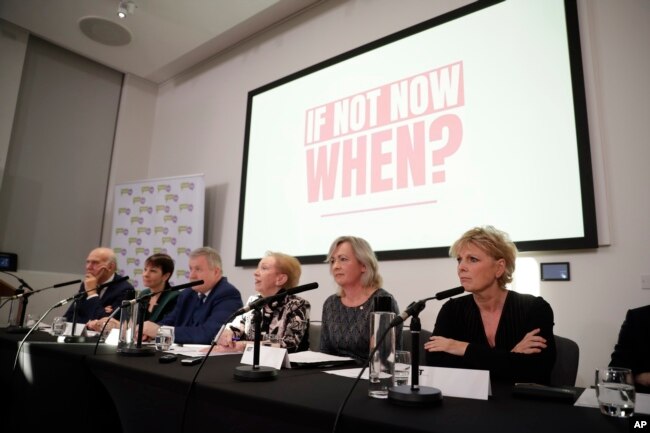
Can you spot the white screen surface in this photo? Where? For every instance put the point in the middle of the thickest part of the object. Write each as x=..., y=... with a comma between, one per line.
x=411, y=142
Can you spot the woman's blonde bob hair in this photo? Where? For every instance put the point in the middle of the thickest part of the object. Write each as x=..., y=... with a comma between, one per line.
x=364, y=254
x=495, y=243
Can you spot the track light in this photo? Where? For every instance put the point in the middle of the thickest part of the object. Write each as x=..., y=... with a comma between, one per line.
x=125, y=8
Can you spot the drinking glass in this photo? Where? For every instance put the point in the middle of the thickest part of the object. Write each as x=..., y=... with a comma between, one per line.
x=58, y=325
x=615, y=391
x=164, y=338
x=402, y=368
x=30, y=320
x=271, y=340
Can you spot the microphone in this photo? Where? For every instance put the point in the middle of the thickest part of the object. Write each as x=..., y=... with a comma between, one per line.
x=171, y=289
x=65, y=284
x=263, y=301
x=416, y=307
x=96, y=289
x=21, y=295
x=23, y=283
x=449, y=293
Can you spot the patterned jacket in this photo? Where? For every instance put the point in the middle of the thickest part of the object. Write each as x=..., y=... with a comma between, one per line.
x=287, y=318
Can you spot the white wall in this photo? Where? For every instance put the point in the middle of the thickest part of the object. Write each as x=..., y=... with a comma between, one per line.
x=198, y=127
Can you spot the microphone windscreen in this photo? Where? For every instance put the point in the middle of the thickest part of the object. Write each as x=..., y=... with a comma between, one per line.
x=449, y=293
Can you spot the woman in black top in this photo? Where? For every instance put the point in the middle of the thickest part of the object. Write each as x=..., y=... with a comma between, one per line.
x=508, y=333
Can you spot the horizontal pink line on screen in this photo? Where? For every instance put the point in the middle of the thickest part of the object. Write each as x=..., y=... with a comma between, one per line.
x=374, y=209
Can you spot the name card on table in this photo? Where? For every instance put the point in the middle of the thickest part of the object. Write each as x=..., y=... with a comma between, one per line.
x=457, y=382
x=78, y=329
x=274, y=357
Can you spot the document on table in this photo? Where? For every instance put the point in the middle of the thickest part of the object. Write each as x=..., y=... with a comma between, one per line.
x=196, y=350
x=453, y=382
x=312, y=359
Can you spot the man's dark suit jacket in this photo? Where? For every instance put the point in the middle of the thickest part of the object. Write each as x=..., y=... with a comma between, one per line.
x=94, y=308
x=633, y=347
x=198, y=322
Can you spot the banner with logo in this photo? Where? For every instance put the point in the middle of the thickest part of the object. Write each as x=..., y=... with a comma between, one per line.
x=158, y=216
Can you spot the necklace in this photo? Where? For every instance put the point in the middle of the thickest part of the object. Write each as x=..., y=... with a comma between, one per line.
x=359, y=300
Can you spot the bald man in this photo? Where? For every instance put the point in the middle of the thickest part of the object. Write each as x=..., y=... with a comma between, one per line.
x=101, y=265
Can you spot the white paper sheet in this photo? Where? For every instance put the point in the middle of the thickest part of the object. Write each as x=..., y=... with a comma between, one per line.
x=452, y=382
x=195, y=350
x=78, y=329
x=457, y=382
x=274, y=357
x=310, y=357
x=349, y=372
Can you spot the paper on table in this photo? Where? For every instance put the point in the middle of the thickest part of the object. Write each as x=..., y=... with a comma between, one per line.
x=309, y=357
x=349, y=372
x=78, y=329
x=195, y=350
x=457, y=382
x=113, y=337
x=452, y=382
x=588, y=399
x=274, y=357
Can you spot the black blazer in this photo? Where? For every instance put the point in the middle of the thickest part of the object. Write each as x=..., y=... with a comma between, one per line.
x=94, y=308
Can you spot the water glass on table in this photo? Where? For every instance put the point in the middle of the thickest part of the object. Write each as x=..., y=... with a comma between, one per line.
x=615, y=391
x=30, y=320
x=402, y=368
x=271, y=340
x=58, y=325
x=164, y=338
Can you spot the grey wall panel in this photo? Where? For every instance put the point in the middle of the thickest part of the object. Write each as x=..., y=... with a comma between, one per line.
x=55, y=185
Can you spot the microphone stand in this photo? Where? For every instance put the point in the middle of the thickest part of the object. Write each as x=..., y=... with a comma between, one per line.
x=256, y=372
x=78, y=338
x=101, y=332
x=19, y=328
x=415, y=395
x=22, y=342
x=74, y=316
x=21, y=294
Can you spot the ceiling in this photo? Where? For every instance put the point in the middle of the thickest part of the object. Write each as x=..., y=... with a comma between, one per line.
x=160, y=39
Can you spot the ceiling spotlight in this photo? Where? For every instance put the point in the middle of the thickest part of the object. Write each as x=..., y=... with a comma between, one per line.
x=125, y=8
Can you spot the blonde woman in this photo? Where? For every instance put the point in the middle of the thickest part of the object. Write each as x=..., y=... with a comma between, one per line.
x=346, y=314
x=493, y=328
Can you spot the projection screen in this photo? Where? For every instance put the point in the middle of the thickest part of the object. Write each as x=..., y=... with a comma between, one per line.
x=474, y=117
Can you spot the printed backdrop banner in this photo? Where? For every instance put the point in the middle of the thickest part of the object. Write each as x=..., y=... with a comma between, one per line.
x=158, y=216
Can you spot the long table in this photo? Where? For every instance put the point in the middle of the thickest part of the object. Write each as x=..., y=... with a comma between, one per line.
x=145, y=395
x=52, y=387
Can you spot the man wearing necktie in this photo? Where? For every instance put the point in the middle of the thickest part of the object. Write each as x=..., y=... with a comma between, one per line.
x=201, y=310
